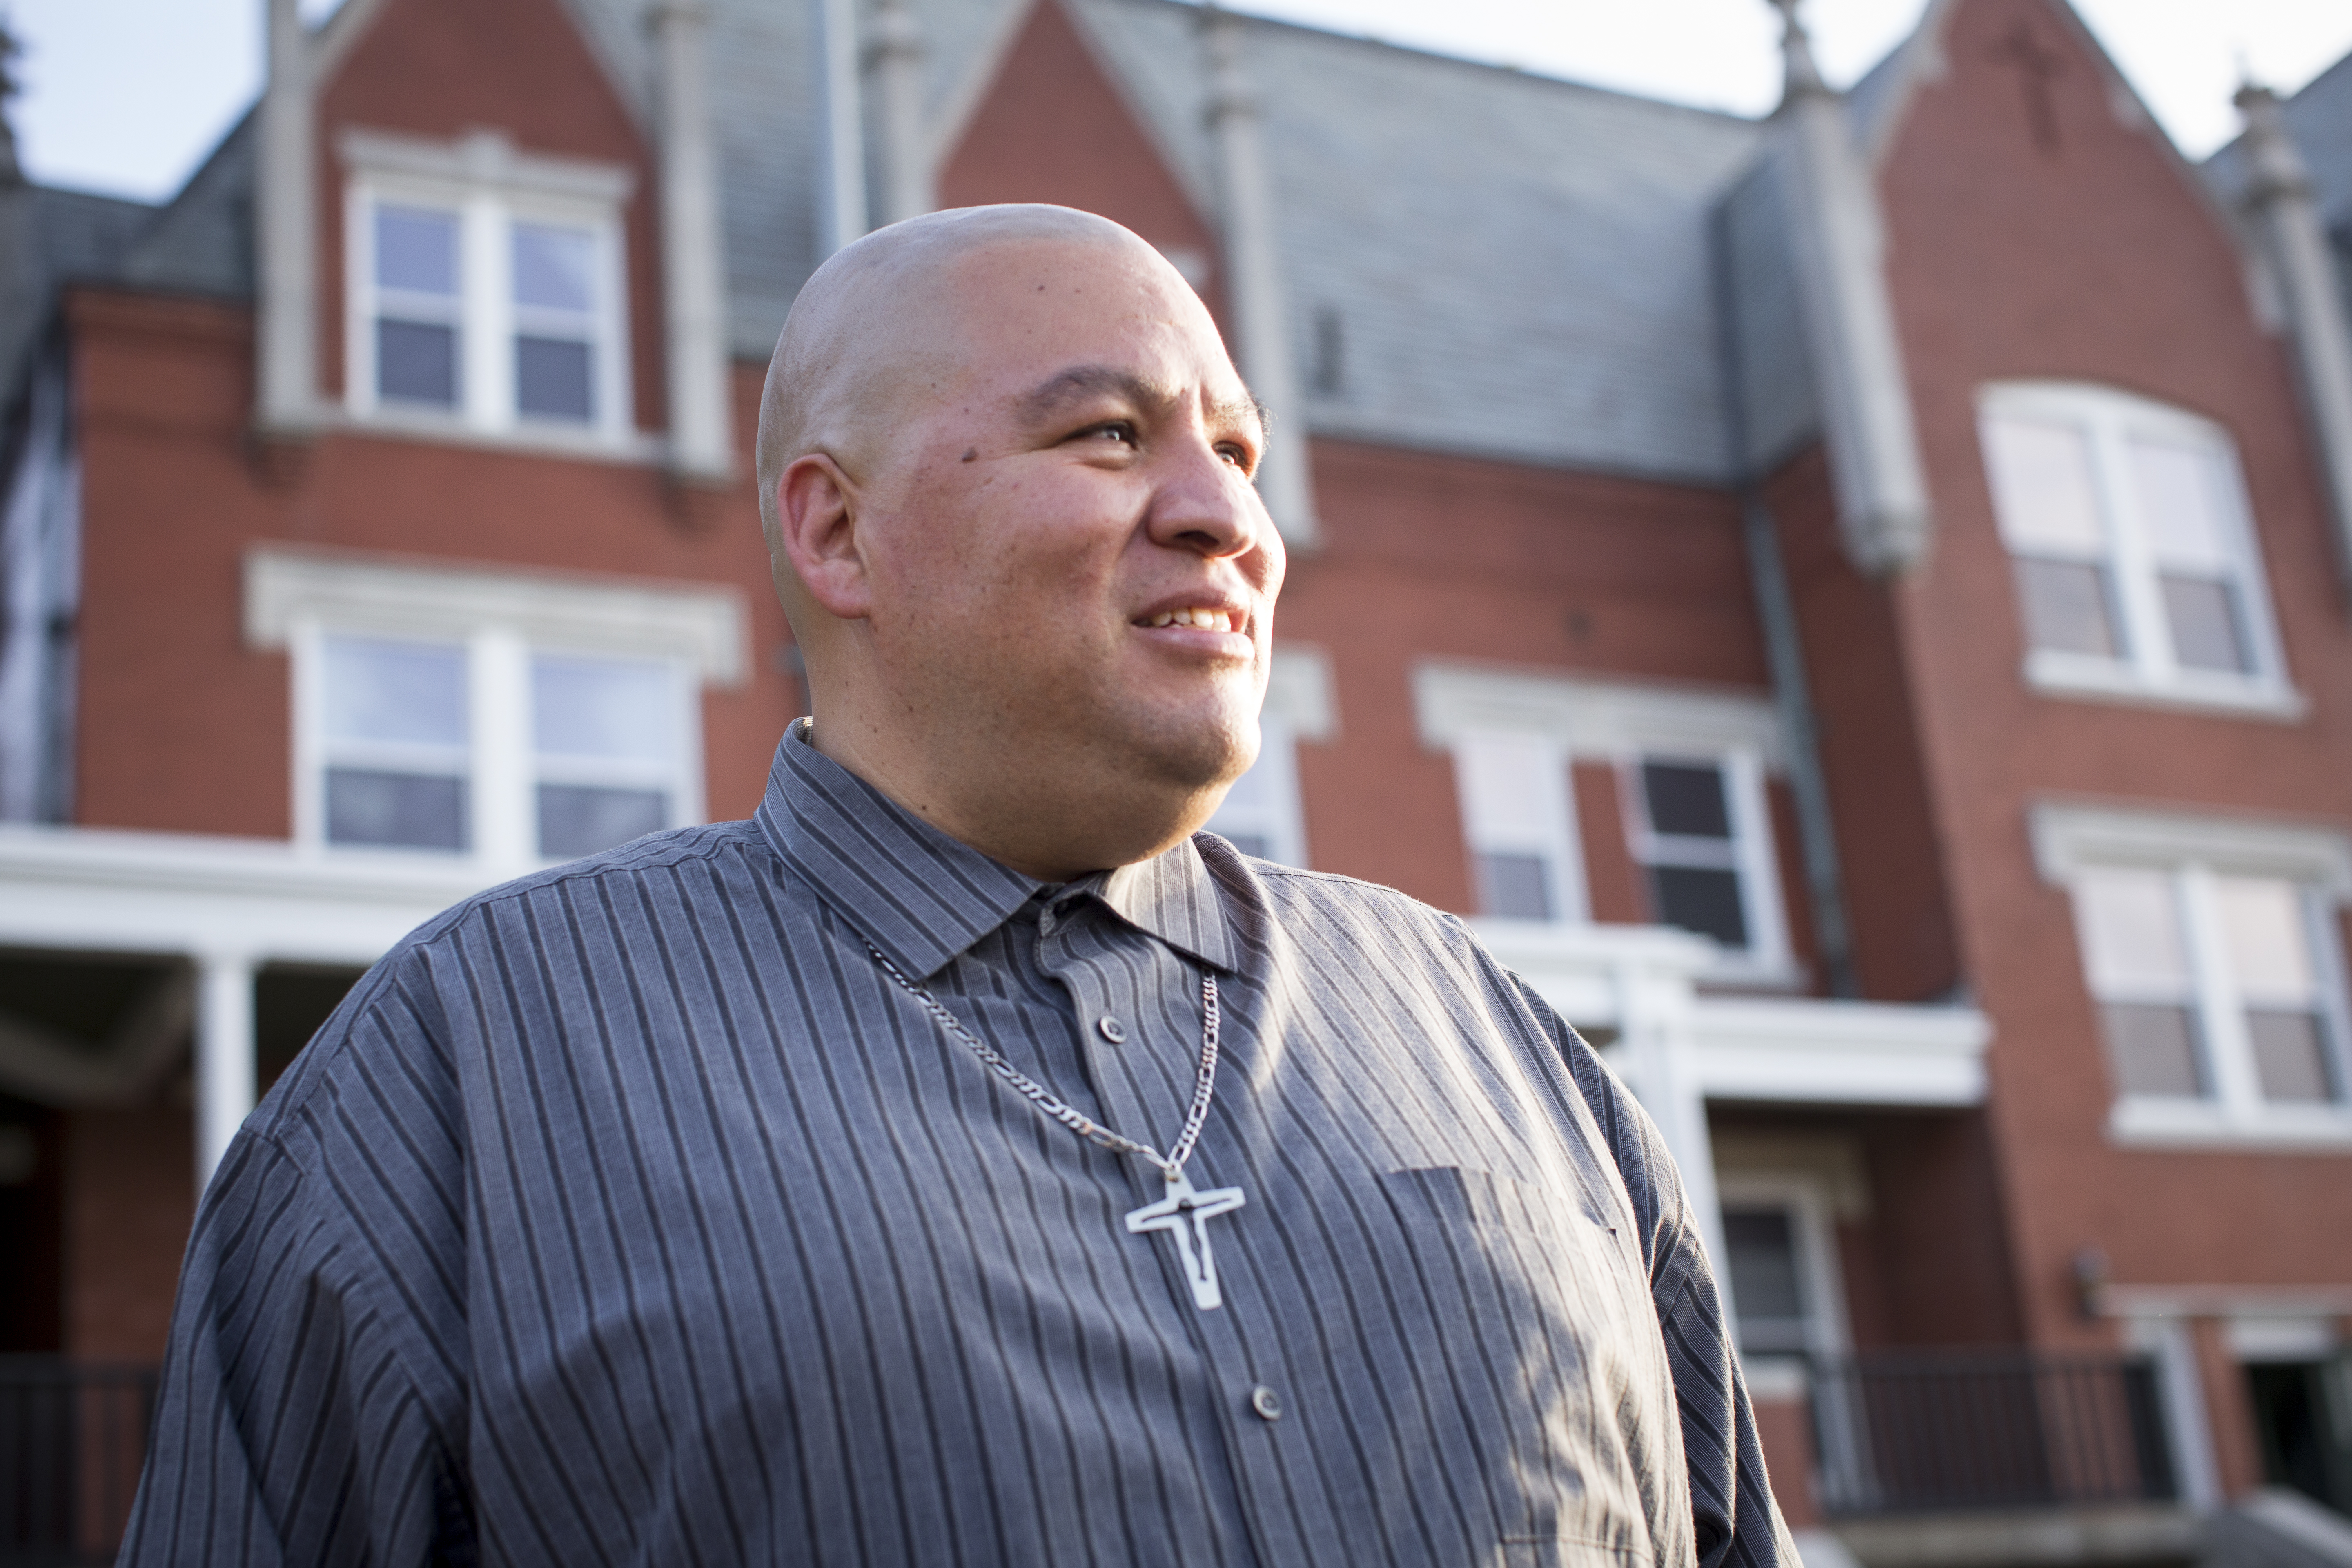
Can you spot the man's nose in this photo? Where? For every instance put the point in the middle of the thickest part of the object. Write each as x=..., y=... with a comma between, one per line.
x=1206, y=504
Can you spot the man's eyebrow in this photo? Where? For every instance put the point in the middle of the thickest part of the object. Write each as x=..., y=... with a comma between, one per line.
x=1042, y=404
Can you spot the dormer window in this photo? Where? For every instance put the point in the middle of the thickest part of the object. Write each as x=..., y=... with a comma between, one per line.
x=487, y=289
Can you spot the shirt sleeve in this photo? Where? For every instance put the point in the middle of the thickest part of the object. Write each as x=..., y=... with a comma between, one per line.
x=287, y=1433
x=1739, y=1525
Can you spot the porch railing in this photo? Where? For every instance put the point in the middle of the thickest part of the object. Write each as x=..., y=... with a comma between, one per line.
x=72, y=1438
x=1955, y=1430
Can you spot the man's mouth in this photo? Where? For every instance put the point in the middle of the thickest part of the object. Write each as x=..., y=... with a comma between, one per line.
x=1206, y=618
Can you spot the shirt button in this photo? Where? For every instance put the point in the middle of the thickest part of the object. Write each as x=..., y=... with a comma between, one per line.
x=1112, y=1029
x=1266, y=1402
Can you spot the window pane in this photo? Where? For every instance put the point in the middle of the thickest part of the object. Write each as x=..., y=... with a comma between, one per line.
x=417, y=250
x=2067, y=608
x=2290, y=1057
x=1700, y=899
x=2155, y=1050
x=551, y=378
x=1505, y=790
x=412, y=693
x=555, y=268
x=603, y=708
x=1514, y=885
x=2131, y=933
x=417, y=362
x=575, y=820
x=1765, y=1282
x=2041, y=486
x=411, y=811
x=1685, y=799
x=2203, y=619
x=2179, y=493
x=2262, y=931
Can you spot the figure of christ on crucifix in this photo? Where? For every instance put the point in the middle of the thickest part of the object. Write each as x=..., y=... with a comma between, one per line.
x=792, y=1190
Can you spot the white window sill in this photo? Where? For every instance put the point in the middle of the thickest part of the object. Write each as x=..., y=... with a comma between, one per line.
x=2108, y=681
x=594, y=442
x=2201, y=1124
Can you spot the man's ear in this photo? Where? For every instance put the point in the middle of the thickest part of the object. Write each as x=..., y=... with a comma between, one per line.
x=817, y=517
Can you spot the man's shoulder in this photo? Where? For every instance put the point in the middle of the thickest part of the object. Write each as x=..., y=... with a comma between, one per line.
x=396, y=1001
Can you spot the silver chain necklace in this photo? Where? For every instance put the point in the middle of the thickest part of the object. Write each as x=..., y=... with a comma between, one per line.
x=1184, y=1213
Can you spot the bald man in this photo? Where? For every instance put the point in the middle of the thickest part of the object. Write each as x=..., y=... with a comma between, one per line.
x=967, y=1160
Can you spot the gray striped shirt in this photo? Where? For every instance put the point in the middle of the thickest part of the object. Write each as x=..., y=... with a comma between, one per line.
x=628, y=1212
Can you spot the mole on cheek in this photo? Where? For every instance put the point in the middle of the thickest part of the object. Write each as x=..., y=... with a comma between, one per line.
x=968, y=454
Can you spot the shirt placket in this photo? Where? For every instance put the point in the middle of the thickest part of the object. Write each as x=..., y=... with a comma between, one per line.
x=1138, y=1013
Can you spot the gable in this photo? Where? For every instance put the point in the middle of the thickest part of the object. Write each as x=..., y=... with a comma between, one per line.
x=1053, y=127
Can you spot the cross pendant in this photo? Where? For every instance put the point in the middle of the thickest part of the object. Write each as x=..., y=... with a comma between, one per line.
x=1184, y=1214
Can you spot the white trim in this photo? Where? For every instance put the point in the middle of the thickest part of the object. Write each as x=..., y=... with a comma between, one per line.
x=1815, y=1052
x=1298, y=692
x=2070, y=838
x=2081, y=676
x=705, y=625
x=1749, y=854
x=2182, y=1384
x=488, y=160
x=2148, y=1123
x=1594, y=720
x=2226, y=1300
x=2273, y=1337
x=1557, y=843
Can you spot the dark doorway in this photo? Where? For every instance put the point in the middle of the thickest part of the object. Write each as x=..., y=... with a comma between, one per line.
x=2302, y=1417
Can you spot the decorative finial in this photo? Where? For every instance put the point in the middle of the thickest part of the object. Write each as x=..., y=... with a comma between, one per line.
x=1801, y=76
x=2273, y=166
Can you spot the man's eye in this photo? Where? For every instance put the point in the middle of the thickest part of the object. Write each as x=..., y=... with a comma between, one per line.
x=1118, y=430
x=1237, y=456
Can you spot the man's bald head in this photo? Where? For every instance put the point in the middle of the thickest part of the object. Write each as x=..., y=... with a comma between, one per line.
x=1005, y=473
x=877, y=321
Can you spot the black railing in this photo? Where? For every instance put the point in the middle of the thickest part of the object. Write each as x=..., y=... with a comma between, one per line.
x=72, y=1437
x=1953, y=1430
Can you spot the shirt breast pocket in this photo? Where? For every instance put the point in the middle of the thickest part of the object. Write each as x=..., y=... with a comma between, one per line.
x=1541, y=1316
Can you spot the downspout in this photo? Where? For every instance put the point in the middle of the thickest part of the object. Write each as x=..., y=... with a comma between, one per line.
x=1784, y=653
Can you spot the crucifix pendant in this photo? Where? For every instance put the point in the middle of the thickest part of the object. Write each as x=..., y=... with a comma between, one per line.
x=1184, y=1214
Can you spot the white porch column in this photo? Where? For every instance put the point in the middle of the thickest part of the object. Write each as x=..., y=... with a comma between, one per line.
x=895, y=60
x=1884, y=512
x=286, y=212
x=224, y=1051
x=2280, y=200
x=1253, y=281
x=1659, y=1051
x=841, y=173
x=694, y=288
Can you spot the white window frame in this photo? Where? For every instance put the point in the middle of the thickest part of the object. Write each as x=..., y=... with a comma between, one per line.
x=1617, y=723
x=2193, y=851
x=296, y=599
x=1557, y=844
x=1752, y=855
x=2146, y=673
x=489, y=187
x=1812, y=1211
x=1298, y=707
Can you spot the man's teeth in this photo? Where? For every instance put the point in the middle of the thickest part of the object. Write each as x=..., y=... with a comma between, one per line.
x=1207, y=620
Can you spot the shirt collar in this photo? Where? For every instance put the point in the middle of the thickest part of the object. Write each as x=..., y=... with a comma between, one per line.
x=923, y=897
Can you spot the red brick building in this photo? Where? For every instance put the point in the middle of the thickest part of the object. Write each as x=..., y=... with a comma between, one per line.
x=1856, y=604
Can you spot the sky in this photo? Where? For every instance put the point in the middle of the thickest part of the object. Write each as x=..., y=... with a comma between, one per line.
x=126, y=96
